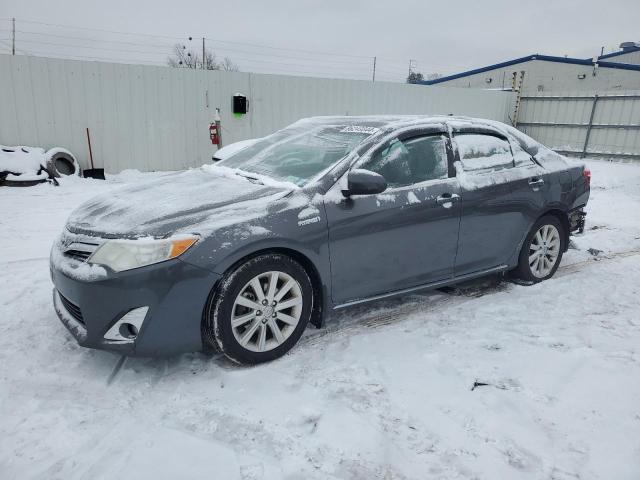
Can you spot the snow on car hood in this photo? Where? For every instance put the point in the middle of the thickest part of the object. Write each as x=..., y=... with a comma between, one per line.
x=196, y=201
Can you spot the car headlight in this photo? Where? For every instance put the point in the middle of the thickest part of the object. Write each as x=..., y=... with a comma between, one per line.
x=122, y=255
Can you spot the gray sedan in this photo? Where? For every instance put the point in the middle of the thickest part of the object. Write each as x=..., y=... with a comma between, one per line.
x=242, y=255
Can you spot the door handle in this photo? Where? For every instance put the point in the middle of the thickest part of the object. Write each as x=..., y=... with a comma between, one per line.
x=447, y=198
x=536, y=182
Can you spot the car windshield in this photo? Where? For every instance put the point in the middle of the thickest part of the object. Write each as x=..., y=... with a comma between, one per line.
x=296, y=155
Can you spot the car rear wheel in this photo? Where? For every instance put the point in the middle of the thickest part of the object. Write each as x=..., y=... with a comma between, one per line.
x=260, y=309
x=542, y=250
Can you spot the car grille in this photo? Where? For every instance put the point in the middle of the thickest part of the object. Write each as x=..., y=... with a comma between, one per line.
x=72, y=308
x=79, y=255
x=79, y=247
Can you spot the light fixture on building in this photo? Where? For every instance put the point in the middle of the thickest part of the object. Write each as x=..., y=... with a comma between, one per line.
x=240, y=104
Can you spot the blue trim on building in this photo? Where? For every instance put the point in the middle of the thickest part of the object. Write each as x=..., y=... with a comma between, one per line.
x=478, y=70
x=621, y=66
x=528, y=58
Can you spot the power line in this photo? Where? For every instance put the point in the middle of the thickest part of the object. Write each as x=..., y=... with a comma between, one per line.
x=91, y=29
x=315, y=72
x=253, y=55
x=348, y=62
x=53, y=44
x=97, y=58
x=319, y=64
x=181, y=38
x=8, y=44
x=293, y=49
x=216, y=48
x=47, y=34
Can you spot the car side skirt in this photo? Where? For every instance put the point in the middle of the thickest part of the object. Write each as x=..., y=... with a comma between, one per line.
x=426, y=286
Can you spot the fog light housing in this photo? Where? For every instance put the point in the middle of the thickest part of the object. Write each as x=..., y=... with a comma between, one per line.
x=126, y=329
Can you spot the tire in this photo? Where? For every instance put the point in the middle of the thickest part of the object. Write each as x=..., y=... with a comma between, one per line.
x=241, y=326
x=20, y=183
x=62, y=163
x=551, y=246
x=14, y=183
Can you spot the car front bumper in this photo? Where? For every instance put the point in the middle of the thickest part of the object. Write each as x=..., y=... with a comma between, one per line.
x=171, y=297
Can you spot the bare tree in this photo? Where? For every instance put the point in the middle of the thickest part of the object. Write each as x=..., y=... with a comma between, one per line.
x=228, y=65
x=210, y=61
x=415, y=77
x=183, y=57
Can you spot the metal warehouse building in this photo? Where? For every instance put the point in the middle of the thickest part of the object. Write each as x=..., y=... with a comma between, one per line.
x=544, y=73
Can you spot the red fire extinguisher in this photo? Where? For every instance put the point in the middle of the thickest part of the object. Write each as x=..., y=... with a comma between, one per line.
x=214, y=130
x=213, y=134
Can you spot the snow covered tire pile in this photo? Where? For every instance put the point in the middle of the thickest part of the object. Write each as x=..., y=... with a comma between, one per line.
x=26, y=166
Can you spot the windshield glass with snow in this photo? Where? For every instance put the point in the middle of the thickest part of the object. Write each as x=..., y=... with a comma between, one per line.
x=297, y=156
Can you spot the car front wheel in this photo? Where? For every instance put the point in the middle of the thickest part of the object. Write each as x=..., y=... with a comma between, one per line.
x=260, y=310
x=542, y=250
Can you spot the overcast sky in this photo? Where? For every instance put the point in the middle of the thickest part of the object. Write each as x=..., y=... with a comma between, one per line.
x=442, y=36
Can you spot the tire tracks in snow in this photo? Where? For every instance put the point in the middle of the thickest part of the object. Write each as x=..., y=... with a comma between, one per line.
x=360, y=318
x=572, y=268
x=434, y=300
x=116, y=369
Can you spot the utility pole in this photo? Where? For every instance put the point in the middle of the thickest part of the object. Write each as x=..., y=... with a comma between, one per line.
x=411, y=66
x=13, y=36
x=203, y=60
x=374, y=69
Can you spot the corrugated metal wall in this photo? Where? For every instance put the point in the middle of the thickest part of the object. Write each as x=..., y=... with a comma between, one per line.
x=543, y=76
x=630, y=57
x=156, y=118
x=602, y=124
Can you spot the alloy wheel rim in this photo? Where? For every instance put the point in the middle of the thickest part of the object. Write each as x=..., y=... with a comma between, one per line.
x=266, y=311
x=544, y=251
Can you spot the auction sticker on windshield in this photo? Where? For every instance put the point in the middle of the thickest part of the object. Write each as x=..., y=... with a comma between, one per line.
x=359, y=129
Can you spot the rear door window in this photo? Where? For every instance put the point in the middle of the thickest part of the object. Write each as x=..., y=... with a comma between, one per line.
x=482, y=152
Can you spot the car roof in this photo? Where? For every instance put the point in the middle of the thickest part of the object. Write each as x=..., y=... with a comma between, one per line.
x=397, y=121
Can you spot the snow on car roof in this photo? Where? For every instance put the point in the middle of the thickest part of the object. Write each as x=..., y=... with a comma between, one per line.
x=400, y=121
x=533, y=147
x=395, y=120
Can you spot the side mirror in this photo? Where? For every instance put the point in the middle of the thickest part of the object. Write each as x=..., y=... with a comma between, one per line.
x=364, y=182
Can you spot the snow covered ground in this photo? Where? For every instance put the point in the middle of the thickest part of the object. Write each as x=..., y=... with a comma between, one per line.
x=384, y=392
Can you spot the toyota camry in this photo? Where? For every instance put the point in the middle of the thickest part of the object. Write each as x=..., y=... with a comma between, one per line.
x=241, y=255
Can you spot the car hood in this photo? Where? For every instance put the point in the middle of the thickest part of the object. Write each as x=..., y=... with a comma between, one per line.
x=195, y=201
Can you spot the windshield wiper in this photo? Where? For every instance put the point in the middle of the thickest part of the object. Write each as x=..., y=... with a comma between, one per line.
x=250, y=178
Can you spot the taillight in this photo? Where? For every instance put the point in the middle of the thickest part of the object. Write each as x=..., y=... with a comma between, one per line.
x=586, y=174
